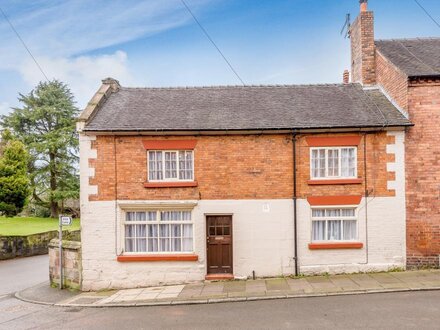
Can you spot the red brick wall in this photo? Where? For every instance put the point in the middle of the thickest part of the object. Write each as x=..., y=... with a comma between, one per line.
x=392, y=80
x=231, y=167
x=423, y=174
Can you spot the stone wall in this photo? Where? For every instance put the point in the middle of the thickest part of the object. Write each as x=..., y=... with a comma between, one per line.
x=31, y=245
x=72, y=276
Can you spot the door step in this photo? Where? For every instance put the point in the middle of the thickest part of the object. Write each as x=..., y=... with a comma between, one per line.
x=219, y=277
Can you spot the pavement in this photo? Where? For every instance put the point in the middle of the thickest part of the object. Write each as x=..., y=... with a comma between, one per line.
x=238, y=290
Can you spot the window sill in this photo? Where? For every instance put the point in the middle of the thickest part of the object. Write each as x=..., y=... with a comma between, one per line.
x=158, y=257
x=333, y=245
x=170, y=184
x=334, y=181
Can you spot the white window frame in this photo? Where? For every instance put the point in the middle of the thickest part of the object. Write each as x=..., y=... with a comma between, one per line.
x=326, y=219
x=177, y=166
x=327, y=176
x=156, y=222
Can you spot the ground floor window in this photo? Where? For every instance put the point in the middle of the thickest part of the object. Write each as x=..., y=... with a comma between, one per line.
x=334, y=224
x=158, y=231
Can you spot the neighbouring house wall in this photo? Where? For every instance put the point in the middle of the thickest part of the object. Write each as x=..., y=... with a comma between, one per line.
x=393, y=81
x=423, y=173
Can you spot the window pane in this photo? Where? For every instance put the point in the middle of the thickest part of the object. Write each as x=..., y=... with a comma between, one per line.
x=347, y=212
x=130, y=231
x=349, y=229
x=334, y=230
x=130, y=216
x=189, y=165
x=141, y=216
x=129, y=245
x=333, y=212
x=170, y=165
x=318, y=213
x=187, y=238
x=333, y=162
x=151, y=216
x=318, y=230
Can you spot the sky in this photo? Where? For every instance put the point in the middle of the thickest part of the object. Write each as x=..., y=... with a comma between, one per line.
x=155, y=43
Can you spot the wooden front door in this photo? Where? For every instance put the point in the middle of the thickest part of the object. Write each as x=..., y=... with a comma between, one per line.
x=219, y=244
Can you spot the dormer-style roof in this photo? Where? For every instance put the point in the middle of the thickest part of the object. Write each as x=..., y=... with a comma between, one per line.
x=418, y=57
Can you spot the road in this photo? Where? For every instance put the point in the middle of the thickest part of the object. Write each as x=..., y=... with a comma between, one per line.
x=21, y=273
x=406, y=310
x=379, y=311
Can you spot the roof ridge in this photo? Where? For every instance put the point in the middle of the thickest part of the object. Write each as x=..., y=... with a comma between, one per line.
x=408, y=39
x=238, y=86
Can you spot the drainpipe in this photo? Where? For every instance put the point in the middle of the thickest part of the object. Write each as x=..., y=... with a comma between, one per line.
x=366, y=198
x=295, y=229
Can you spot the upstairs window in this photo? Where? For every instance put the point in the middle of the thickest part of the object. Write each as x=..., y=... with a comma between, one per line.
x=334, y=224
x=170, y=165
x=333, y=163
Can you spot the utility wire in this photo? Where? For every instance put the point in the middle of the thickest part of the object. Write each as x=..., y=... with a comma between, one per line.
x=212, y=41
x=427, y=13
x=24, y=44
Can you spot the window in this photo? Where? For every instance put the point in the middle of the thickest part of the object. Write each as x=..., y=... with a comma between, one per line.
x=158, y=231
x=333, y=162
x=334, y=224
x=167, y=165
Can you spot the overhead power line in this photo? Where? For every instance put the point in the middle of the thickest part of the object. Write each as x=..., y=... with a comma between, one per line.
x=427, y=13
x=23, y=43
x=212, y=41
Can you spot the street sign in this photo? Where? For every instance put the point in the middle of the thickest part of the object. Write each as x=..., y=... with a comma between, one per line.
x=66, y=221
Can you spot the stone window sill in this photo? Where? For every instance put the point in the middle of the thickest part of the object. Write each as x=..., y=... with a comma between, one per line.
x=335, y=181
x=170, y=184
x=330, y=246
x=158, y=257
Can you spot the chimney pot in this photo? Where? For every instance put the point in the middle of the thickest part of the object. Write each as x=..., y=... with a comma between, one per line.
x=346, y=77
x=114, y=84
x=364, y=5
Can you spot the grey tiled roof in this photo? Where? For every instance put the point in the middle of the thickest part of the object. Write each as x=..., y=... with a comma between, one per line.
x=415, y=57
x=245, y=108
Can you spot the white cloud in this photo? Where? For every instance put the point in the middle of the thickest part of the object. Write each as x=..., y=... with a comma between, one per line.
x=83, y=74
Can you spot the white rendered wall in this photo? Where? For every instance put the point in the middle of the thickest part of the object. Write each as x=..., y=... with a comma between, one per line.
x=262, y=242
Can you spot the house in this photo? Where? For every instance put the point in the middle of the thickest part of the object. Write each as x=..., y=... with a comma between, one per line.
x=408, y=72
x=183, y=184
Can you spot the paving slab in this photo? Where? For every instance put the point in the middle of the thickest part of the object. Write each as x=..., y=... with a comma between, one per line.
x=279, y=284
x=300, y=285
x=345, y=283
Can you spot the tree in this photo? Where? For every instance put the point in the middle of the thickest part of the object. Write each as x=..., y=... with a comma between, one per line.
x=46, y=125
x=14, y=182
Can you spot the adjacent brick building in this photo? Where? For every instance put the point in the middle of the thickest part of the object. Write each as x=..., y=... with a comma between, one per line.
x=408, y=71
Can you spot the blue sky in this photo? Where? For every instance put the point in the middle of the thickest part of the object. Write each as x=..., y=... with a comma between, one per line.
x=157, y=43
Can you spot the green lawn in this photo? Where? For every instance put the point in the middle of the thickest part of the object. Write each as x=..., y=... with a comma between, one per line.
x=21, y=226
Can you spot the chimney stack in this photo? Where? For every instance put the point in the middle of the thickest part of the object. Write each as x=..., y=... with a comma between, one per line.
x=364, y=5
x=363, y=52
x=346, y=77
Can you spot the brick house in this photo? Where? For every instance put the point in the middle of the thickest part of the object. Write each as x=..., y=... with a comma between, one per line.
x=408, y=72
x=183, y=184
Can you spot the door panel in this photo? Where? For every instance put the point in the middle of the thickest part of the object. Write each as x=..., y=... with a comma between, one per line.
x=219, y=244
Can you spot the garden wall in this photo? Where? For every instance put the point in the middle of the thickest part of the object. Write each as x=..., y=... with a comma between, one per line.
x=72, y=274
x=31, y=245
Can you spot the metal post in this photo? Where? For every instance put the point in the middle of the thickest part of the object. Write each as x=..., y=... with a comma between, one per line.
x=60, y=237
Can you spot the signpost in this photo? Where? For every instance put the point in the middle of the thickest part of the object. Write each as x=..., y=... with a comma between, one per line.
x=62, y=221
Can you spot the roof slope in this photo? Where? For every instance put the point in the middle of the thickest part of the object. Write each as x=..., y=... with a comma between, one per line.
x=245, y=108
x=415, y=57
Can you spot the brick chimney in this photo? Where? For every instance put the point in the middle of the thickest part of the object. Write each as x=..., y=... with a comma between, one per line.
x=363, y=62
x=346, y=77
